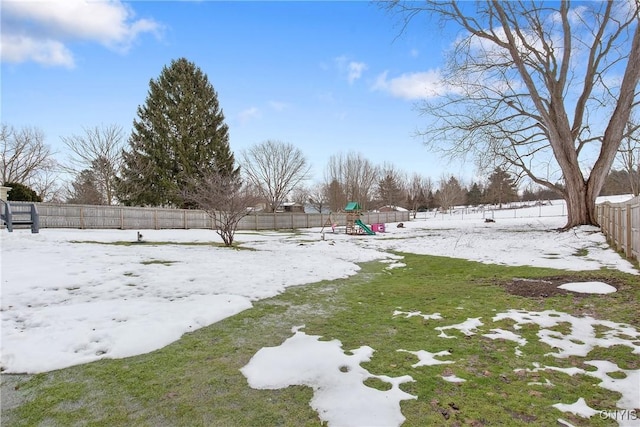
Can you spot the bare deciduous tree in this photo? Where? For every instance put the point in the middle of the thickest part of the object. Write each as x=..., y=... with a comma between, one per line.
x=275, y=168
x=49, y=184
x=450, y=193
x=536, y=83
x=629, y=155
x=418, y=189
x=300, y=195
x=318, y=196
x=99, y=149
x=24, y=154
x=355, y=175
x=26, y=159
x=225, y=199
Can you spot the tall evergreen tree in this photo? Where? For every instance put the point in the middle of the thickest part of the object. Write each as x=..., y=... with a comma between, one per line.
x=390, y=189
x=85, y=189
x=474, y=195
x=336, y=196
x=501, y=188
x=179, y=137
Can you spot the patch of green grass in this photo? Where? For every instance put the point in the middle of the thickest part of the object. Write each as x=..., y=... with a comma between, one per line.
x=157, y=261
x=551, y=255
x=196, y=381
x=583, y=252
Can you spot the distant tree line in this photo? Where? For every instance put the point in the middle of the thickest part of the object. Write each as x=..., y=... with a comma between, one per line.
x=179, y=145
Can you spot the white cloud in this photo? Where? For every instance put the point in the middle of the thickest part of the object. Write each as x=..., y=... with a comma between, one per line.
x=355, y=70
x=352, y=69
x=249, y=114
x=17, y=48
x=38, y=31
x=412, y=86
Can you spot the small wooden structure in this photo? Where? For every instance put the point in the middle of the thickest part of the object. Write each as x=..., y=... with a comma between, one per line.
x=352, y=210
x=20, y=214
x=354, y=224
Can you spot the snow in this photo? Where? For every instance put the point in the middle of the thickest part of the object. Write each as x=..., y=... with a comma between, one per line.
x=588, y=287
x=579, y=408
x=627, y=387
x=498, y=333
x=468, y=327
x=427, y=358
x=453, y=379
x=75, y=296
x=586, y=332
x=336, y=378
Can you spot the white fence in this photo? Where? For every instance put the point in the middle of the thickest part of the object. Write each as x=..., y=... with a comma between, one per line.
x=620, y=222
x=126, y=218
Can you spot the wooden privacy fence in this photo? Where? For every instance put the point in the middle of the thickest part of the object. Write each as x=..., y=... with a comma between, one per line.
x=54, y=215
x=620, y=223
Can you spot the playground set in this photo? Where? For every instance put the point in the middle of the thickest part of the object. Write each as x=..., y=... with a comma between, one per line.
x=354, y=225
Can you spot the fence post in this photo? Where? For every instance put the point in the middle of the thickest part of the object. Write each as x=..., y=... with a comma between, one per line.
x=627, y=242
x=81, y=218
x=619, y=228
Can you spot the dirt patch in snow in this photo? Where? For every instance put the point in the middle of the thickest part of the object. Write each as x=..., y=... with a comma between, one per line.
x=546, y=287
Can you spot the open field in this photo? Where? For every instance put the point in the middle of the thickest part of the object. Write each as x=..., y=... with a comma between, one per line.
x=454, y=321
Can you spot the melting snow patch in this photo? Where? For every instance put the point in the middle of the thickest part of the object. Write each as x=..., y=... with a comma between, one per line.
x=546, y=383
x=467, y=327
x=409, y=314
x=588, y=287
x=340, y=396
x=579, y=408
x=428, y=359
x=453, y=379
x=505, y=335
x=393, y=263
x=396, y=265
x=509, y=336
x=627, y=386
x=583, y=336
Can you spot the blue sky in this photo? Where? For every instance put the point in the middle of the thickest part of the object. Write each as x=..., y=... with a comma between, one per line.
x=327, y=77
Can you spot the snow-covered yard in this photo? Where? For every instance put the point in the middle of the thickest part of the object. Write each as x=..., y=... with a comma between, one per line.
x=74, y=296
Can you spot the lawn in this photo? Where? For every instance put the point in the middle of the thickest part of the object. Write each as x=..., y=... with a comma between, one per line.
x=197, y=380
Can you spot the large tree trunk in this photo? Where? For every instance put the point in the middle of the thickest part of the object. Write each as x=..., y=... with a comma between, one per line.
x=581, y=207
x=580, y=195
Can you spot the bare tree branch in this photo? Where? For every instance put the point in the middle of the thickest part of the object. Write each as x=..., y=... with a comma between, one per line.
x=275, y=168
x=24, y=154
x=225, y=199
x=540, y=86
x=355, y=175
x=99, y=150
